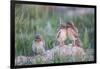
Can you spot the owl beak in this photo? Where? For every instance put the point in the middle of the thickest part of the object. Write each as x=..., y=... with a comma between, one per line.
x=38, y=40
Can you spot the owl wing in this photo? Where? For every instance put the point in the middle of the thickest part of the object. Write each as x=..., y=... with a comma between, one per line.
x=44, y=44
x=33, y=46
x=75, y=32
x=58, y=34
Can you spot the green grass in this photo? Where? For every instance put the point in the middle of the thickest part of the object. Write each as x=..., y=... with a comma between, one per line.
x=27, y=17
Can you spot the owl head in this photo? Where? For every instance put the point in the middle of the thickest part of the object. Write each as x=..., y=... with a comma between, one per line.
x=69, y=24
x=38, y=38
x=62, y=26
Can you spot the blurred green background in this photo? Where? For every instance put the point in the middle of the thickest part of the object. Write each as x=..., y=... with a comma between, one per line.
x=47, y=20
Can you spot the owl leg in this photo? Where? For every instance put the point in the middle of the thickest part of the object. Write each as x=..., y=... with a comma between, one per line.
x=78, y=43
x=61, y=43
x=73, y=42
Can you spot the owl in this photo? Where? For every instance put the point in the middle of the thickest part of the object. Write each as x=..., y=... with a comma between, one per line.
x=38, y=45
x=72, y=32
x=62, y=34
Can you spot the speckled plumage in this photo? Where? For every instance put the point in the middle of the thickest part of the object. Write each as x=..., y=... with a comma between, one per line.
x=62, y=35
x=38, y=47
